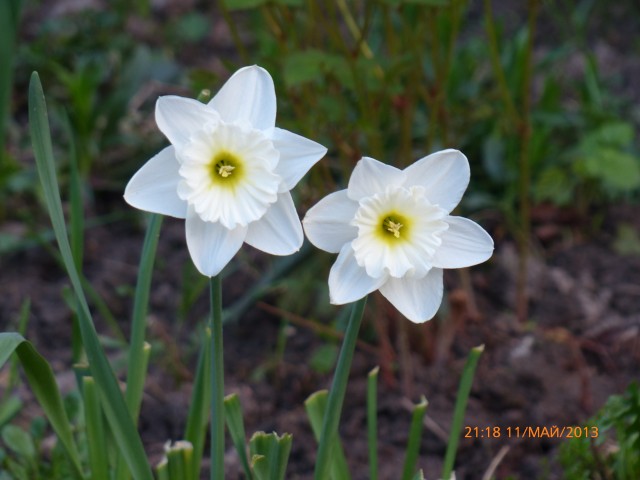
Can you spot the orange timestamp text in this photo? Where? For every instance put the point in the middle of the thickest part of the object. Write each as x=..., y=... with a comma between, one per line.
x=553, y=431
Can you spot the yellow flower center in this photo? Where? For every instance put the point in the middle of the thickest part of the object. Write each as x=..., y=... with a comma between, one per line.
x=225, y=169
x=394, y=228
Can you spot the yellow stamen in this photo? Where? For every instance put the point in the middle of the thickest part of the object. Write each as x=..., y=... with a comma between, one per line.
x=225, y=170
x=393, y=227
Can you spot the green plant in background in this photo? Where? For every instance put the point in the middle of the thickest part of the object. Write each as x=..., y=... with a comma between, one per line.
x=614, y=453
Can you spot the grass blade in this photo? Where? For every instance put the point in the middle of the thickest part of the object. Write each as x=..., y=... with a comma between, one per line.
x=235, y=424
x=136, y=362
x=95, y=430
x=113, y=402
x=44, y=387
x=461, y=405
x=415, y=434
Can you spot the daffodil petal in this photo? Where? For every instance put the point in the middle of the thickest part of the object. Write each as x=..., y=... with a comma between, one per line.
x=416, y=299
x=179, y=117
x=154, y=188
x=348, y=281
x=444, y=175
x=279, y=231
x=464, y=243
x=249, y=96
x=371, y=176
x=327, y=224
x=297, y=155
x=210, y=244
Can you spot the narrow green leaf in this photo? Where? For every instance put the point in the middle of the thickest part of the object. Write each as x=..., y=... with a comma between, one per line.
x=96, y=437
x=198, y=418
x=113, y=402
x=137, y=365
x=43, y=384
x=415, y=435
x=235, y=424
x=139, y=350
x=179, y=457
x=458, y=414
x=162, y=470
x=316, y=406
x=272, y=451
x=419, y=475
x=372, y=422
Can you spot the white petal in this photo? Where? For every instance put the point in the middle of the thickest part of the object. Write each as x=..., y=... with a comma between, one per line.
x=279, y=231
x=465, y=243
x=444, y=174
x=327, y=223
x=418, y=300
x=371, y=176
x=179, y=117
x=297, y=155
x=154, y=188
x=249, y=95
x=210, y=244
x=348, y=281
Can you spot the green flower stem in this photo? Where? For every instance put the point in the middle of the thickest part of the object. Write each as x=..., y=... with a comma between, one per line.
x=338, y=389
x=372, y=422
x=217, y=382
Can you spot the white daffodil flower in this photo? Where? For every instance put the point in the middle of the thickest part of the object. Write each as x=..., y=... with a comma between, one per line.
x=392, y=231
x=228, y=172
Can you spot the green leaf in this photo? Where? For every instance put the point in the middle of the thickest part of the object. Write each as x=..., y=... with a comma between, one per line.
x=324, y=358
x=235, y=424
x=19, y=441
x=618, y=170
x=9, y=409
x=43, y=384
x=9, y=18
x=113, y=402
x=316, y=406
x=415, y=434
x=290, y=3
x=96, y=440
x=310, y=65
x=270, y=454
x=460, y=407
x=244, y=4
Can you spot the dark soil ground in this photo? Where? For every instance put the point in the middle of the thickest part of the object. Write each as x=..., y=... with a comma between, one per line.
x=580, y=346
